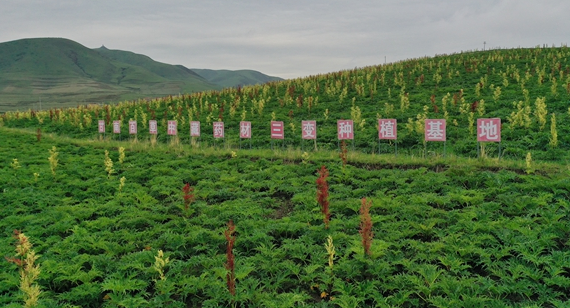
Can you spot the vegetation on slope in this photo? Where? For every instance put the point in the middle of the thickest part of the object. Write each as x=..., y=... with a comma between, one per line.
x=453, y=231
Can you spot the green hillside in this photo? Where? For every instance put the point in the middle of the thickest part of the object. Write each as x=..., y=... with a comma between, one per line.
x=125, y=220
x=227, y=78
x=60, y=72
x=175, y=72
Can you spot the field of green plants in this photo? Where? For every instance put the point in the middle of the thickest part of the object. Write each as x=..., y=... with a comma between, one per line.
x=124, y=221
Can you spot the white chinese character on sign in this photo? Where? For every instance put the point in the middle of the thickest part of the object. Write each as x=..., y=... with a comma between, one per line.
x=387, y=129
x=245, y=129
x=434, y=130
x=152, y=126
x=171, y=126
x=132, y=127
x=309, y=129
x=195, y=128
x=218, y=129
x=345, y=129
x=489, y=130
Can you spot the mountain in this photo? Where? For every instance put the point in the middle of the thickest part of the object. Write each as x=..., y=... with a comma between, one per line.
x=227, y=78
x=222, y=78
x=60, y=73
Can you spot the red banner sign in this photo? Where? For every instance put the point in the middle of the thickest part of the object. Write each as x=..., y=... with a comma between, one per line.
x=435, y=130
x=489, y=130
x=277, y=130
x=245, y=129
x=101, y=126
x=345, y=129
x=387, y=129
x=172, y=128
x=309, y=129
x=117, y=127
x=194, y=128
x=218, y=129
x=152, y=127
x=133, y=127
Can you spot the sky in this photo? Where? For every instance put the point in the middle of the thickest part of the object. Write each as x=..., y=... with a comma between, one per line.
x=293, y=38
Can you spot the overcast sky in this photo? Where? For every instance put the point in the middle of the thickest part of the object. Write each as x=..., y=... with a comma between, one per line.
x=289, y=38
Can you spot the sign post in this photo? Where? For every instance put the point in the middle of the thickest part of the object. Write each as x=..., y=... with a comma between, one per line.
x=153, y=131
x=117, y=128
x=133, y=128
x=308, y=132
x=277, y=132
x=244, y=132
x=101, y=124
x=387, y=130
x=435, y=130
x=172, y=130
x=488, y=130
x=219, y=130
x=194, y=132
x=345, y=130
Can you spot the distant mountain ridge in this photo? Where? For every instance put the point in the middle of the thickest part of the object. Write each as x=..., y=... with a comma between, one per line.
x=229, y=79
x=60, y=72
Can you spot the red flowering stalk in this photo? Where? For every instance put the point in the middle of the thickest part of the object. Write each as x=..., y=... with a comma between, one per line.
x=366, y=225
x=188, y=195
x=323, y=194
x=230, y=258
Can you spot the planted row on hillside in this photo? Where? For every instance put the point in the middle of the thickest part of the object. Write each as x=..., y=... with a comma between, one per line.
x=527, y=88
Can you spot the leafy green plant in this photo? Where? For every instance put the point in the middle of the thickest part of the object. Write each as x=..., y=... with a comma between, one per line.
x=53, y=161
x=29, y=271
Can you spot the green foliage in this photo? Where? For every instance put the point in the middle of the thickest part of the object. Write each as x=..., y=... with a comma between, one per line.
x=449, y=232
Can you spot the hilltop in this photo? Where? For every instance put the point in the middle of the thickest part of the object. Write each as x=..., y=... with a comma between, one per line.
x=60, y=72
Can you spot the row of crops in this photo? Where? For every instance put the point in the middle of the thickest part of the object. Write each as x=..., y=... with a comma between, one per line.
x=529, y=89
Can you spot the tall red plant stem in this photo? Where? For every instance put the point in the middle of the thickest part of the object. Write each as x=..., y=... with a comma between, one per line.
x=230, y=258
x=188, y=195
x=323, y=194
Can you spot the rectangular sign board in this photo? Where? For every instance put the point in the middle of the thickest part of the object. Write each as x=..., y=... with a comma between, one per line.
x=489, y=130
x=277, y=130
x=345, y=129
x=435, y=130
x=309, y=129
x=387, y=129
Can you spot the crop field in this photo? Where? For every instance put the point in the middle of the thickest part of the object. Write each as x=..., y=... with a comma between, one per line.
x=121, y=220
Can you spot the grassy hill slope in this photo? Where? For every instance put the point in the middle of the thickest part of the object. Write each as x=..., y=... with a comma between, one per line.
x=62, y=72
x=529, y=89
